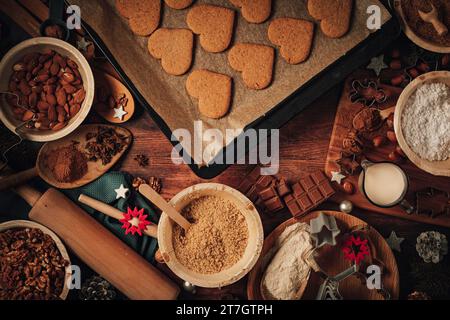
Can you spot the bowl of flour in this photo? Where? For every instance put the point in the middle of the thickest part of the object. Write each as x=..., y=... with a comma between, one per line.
x=422, y=122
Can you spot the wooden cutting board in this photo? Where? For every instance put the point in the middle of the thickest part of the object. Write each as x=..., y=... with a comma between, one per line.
x=419, y=179
x=331, y=260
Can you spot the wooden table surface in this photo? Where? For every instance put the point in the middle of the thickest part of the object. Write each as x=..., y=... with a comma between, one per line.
x=303, y=148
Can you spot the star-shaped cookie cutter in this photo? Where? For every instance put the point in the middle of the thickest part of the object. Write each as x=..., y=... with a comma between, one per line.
x=324, y=230
x=348, y=163
x=430, y=193
x=367, y=92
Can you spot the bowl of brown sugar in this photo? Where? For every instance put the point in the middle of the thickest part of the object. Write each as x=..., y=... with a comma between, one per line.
x=224, y=241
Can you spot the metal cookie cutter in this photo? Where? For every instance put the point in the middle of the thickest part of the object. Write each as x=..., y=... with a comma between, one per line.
x=324, y=230
x=367, y=92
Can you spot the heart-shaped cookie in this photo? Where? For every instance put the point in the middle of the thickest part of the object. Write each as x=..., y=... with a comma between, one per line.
x=214, y=25
x=143, y=16
x=254, y=11
x=174, y=48
x=334, y=16
x=255, y=61
x=213, y=91
x=178, y=4
x=293, y=36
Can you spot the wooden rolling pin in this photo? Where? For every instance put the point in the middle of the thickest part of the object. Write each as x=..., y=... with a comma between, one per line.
x=97, y=247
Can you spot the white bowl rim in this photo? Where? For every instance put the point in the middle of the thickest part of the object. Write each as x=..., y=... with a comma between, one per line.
x=89, y=86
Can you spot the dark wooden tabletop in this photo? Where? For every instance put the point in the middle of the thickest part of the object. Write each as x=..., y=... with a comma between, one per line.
x=303, y=148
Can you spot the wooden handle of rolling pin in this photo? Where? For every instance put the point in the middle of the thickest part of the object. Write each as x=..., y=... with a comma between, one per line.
x=151, y=231
x=17, y=179
x=101, y=250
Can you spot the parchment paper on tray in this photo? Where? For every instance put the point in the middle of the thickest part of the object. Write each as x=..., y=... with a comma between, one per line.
x=167, y=95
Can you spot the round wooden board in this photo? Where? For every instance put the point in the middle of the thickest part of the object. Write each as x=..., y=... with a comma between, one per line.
x=332, y=262
x=14, y=224
x=437, y=168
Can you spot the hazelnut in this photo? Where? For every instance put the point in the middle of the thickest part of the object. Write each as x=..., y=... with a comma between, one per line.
x=391, y=136
x=400, y=151
x=378, y=141
x=348, y=187
x=394, y=157
x=390, y=121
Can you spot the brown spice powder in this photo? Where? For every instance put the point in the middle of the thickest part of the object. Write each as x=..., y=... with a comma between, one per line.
x=217, y=238
x=67, y=163
x=424, y=29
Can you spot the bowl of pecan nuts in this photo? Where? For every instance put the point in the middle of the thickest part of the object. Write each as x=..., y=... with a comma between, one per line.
x=47, y=89
x=34, y=264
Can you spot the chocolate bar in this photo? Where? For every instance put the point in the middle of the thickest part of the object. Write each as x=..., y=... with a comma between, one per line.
x=308, y=193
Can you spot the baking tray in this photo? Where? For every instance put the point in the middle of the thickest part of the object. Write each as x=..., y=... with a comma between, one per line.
x=288, y=108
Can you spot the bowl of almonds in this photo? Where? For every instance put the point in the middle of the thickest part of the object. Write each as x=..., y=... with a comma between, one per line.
x=47, y=89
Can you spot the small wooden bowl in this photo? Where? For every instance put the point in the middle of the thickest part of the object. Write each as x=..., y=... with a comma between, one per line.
x=425, y=44
x=437, y=168
x=38, y=45
x=251, y=254
x=62, y=249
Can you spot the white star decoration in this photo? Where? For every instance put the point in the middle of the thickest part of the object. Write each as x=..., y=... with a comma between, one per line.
x=337, y=176
x=119, y=113
x=394, y=242
x=377, y=64
x=121, y=192
x=83, y=44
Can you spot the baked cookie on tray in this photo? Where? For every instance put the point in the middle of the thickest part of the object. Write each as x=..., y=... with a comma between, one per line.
x=293, y=36
x=178, y=4
x=213, y=91
x=143, y=16
x=174, y=47
x=255, y=61
x=214, y=24
x=254, y=11
x=334, y=16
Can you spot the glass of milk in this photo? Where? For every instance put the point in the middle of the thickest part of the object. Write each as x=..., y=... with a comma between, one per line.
x=384, y=184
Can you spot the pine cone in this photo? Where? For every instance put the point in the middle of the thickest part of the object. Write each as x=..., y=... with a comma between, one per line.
x=418, y=295
x=432, y=246
x=97, y=288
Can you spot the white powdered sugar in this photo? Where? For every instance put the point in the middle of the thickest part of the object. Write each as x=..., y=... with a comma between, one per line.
x=426, y=122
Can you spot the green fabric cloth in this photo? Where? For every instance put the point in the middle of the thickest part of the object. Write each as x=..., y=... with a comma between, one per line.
x=101, y=189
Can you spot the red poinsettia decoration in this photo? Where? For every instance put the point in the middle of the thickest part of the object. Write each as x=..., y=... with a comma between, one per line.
x=134, y=221
x=355, y=249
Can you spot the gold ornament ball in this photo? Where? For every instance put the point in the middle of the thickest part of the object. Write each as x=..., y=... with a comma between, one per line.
x=346, y=206
x=189, y=287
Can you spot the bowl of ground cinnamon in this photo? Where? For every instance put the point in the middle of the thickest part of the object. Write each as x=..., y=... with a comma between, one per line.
x=224, y=241
x=425, y=33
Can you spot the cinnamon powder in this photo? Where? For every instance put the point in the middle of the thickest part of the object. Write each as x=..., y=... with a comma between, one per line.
x=67, y=163
x=217, y=238
x=424, y=29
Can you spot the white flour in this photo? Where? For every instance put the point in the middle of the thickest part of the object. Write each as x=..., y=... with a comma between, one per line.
x=288, y=270
x=426, y=122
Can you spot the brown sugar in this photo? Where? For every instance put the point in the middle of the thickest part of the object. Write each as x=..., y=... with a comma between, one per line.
x=67, y=163
x=217, y=238
x=424, y=29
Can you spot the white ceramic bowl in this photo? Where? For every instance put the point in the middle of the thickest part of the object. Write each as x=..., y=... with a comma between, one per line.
x=38, y=45
x=15, y=224
x=251, y=253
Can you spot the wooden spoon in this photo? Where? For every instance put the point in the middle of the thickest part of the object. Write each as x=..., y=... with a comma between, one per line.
x=95, y=169
x=433, y=18
x=115, y=88
x=159, y=201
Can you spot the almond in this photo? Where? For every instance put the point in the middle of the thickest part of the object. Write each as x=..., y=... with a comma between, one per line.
x=391, y=136
x=24, y=87
x=12, y=85
x=32, y=99
x=37, y=89
x=74, y=110
x=54, y=69
x=51, y=99
x=59, y=126
x=47, y=65
x=52, y=80
x=36, y=69
x=79, y=96
x=20, y=66
x=72, y=64
x=52, y=116
x=69, y=89
x=42, y=106
x=49, y=88
x=68, y=77
x=42, y=77
x=61, y=97
x=27, y=116
x=61, y=113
